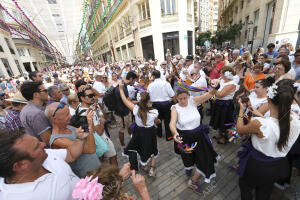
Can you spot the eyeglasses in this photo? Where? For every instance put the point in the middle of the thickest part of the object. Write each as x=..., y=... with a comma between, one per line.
x=66, y=90
x=60, y=106
x=163, y=64
x=90, y=95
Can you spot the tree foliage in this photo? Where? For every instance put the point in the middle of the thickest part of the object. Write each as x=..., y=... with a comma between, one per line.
x=202, y=37
x=227, y=34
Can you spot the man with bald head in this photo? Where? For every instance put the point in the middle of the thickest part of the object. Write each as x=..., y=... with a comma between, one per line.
x=63, y=136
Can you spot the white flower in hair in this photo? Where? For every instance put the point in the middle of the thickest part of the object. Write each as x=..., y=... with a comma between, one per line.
x=297, y=85
x=272, y=91
x=228, y=75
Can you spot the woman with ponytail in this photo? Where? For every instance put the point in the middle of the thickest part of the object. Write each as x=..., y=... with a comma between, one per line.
x=143, y=141
x=263, y=160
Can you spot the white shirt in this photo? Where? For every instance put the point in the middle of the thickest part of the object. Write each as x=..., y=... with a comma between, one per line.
x=201, y=82
x=164, y=74
x=271, y=132
x=100, y=87
x=151, y=115
x=256, y=102
x=56, y=185
x=160, y=90
x=190, y=68
x=188, y=117
x=131, y=91
x=222, y=85
x=292, y=72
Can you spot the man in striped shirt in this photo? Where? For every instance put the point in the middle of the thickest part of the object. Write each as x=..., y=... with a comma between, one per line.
x=12, y=118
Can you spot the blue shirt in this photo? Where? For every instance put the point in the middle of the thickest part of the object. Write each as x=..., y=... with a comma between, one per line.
x=297, y=70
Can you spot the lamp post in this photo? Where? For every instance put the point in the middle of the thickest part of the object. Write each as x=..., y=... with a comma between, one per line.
x=249, y=25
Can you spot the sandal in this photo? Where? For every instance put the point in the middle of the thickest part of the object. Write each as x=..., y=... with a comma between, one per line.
x=194, y=186
x=152, y=171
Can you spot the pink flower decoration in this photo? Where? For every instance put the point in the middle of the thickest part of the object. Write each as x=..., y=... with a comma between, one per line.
x=86, y=189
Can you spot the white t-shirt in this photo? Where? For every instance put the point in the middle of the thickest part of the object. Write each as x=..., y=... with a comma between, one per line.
x=201, y=82
x=160, y=90
x=271, y=132
x=100, y=87
x=56, y=185
x=151, y=115
x=188, y=117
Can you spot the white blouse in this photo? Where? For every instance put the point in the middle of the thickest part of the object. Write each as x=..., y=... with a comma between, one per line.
x=256, y=102
x=271, y=132
x=188, y=116
x=151, y=115
x=222, y=85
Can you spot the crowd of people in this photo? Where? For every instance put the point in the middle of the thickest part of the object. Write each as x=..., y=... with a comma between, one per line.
x=56, y=125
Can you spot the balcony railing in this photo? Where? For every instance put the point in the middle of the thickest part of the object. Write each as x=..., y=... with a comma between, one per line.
x=145, y=23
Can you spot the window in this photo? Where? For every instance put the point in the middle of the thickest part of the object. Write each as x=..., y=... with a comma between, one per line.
x=21, y=52
x=29, y=52
x=55, y=15
x=256, y=17
x=1, y=49
x=19, y=67
x=168, y=7
x=246, y=22
x=144, y=10
x=242, y=4
x=51, y=1
x=7, y=66
x=59, y=24
x=9, y=46
x=189, y=7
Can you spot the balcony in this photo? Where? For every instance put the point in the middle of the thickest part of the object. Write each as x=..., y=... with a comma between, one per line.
x=145, y=23
x=189, y=17
x=168, y=18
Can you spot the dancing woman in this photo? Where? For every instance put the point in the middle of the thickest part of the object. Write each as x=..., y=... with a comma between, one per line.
x=263, y=160
x=191, y=139
x=223, y=108
x=143, y=141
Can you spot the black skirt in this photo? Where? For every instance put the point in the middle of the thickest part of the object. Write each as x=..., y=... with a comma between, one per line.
x=203, y=156
x=222, y=113
x=142, y=143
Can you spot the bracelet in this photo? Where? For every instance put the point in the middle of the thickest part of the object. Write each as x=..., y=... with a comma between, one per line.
x=82, y=139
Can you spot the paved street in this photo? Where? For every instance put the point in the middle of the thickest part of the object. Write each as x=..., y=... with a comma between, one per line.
x=171, y=182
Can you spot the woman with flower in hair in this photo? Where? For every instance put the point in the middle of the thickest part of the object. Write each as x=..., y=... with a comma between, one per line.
x=143, y=141
x=106, y=183
x=223, y=107
x=263, y=160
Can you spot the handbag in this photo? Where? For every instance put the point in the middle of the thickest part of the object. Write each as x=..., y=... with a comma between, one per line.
x=101, y=145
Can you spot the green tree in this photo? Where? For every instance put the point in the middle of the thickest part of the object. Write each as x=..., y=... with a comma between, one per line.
x=227, y=34
x=202, y=37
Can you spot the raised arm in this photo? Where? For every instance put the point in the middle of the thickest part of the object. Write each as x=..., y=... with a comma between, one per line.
x=128, y=103
x=204, y=97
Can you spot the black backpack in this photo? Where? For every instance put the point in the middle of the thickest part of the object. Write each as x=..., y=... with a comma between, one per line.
x=110, y=100
x=77, y=120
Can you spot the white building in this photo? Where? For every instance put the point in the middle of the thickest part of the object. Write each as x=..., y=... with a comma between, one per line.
x=10, y=62
x=208, y=15
x=143, y=29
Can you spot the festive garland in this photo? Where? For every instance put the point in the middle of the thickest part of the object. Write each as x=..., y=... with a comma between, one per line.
x=182, y=85
x=83, y=17
x=16, y=3
x=99, y=23
x=26, y=29
x=139, y=88
x=94, y=15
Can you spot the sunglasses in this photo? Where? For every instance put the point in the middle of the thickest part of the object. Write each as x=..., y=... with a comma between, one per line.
x=44, y=90
x=90, y=95
x=65, y=90
x=60, y=106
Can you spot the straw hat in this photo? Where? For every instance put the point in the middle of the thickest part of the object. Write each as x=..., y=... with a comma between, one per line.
x=18, y=97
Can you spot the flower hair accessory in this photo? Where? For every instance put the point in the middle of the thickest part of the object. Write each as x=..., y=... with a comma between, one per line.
x=87, y=189
x=272, y=91
x=297, y=85
x=228, y=75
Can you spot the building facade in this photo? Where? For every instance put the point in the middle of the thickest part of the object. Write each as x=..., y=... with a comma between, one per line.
x=208, y=15
x=264, y=21
x=140, y=29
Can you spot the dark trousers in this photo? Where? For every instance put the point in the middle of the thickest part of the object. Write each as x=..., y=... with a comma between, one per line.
x=260, y=177
x=164, y=113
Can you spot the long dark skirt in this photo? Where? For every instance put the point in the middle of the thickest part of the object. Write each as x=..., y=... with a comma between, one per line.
x=222, y=114
x=203, y=156
x=142, y=143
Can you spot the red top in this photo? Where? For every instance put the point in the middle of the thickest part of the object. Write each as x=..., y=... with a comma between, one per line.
x=214, y=74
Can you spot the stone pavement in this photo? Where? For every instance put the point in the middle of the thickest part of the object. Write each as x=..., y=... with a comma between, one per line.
x=171, y=183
